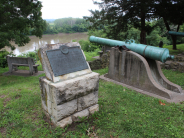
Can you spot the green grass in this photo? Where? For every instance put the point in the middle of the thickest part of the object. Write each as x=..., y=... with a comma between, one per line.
x=123, y=113
x=180, y=48
x=90, y=55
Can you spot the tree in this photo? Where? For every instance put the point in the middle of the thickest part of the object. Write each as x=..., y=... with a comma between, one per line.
x=172, y=13
x=118, y=15
x=17, y=17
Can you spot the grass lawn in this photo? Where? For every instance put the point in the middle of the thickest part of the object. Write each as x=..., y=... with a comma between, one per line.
x=180, y=48
x=90, y=55
x=123, y=113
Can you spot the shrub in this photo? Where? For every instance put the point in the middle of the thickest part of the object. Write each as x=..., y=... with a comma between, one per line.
x=3, y=61
x=88, y=46
x=32, y=54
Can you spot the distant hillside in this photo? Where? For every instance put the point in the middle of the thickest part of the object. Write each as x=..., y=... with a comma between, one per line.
x=50, y=20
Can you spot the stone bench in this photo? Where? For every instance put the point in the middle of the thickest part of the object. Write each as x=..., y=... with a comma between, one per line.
x=14, y=62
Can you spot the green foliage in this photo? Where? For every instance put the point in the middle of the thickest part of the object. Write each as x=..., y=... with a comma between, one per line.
x=50, y=29
x=87, y=46
x=154, y=38
x=90, y=55
x=115, y=17
x=97, y=33
x=17, y=17
x=71, y=25
x=3, y=53
x=132, y=33
x=67, y=25
x=32, y=54
x=3, y=61
x=120, y=16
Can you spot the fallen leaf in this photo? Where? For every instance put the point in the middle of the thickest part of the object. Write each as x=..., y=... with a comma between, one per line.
x=123, y=89
x=161, y=103
x=111, y=136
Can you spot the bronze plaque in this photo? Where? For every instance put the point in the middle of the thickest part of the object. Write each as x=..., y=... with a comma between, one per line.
x=66, y=60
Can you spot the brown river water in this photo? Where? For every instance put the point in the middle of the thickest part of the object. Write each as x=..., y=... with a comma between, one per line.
x=36, y=43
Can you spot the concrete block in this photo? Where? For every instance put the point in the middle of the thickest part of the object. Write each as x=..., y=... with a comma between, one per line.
x=68, y=90
x=87, y=100
x=83, y=113
x=64, y=122
x=66, y=109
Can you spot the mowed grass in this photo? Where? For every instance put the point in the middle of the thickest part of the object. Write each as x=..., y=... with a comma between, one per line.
x=180, y=48
x=123, y=112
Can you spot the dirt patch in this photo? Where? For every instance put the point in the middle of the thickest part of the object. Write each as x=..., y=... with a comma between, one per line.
x=2, y=130
x=18, y=96
x=2, y=96
x=6, y=101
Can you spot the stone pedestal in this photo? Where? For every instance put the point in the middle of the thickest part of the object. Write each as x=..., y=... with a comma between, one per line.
x=64, y=102
x=67, y=96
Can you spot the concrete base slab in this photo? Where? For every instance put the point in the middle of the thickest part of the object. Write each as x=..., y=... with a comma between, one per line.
x=97, y=57
x=178, y=97
x=24, y=73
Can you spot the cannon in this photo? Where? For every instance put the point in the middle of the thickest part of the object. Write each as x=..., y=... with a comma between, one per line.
x=176, y=33
x=156, y=53
x=139, y=69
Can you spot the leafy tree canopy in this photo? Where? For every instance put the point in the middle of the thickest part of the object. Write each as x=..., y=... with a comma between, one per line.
x=17, y=17
x=121, y=15
x=172, y=13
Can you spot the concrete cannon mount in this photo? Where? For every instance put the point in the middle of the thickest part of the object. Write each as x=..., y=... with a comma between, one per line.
x=143, y=75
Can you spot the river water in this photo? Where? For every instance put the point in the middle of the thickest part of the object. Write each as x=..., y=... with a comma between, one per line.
x=36, y=43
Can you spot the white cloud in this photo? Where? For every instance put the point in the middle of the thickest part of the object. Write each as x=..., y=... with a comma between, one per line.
x=54, y=9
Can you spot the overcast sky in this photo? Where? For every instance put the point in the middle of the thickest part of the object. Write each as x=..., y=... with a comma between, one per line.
x=54, y=9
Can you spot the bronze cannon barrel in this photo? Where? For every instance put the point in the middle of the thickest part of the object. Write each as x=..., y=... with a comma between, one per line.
x=156, y=53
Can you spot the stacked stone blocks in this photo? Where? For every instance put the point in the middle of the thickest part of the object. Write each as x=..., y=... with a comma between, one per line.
x=64, y=102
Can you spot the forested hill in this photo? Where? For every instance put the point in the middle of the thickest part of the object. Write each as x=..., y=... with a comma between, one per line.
x=66, y=25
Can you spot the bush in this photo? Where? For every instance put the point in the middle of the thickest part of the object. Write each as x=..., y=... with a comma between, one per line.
x=88, y=46
x=3, y=53
x=3, y=61
x=90, y=55
x=32, y=54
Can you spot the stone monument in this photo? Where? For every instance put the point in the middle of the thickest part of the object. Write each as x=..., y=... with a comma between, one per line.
x=70, y=89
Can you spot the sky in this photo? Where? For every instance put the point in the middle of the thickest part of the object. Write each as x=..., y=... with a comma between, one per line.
x=55, y=9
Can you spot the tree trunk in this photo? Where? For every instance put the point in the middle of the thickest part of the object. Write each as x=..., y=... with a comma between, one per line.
x=143, y=32
x=172, y=36
x=174, y=41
